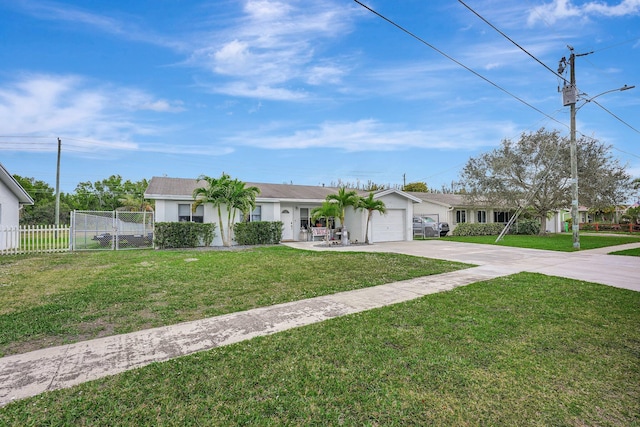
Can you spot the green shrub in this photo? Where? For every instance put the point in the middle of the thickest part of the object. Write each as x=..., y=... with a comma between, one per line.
x=626, y=219
x=526, y=226
x=183, y=234
x=258, y=232
x=488, y=229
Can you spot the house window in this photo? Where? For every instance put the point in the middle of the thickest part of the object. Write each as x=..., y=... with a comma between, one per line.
x=304, y=218
x=461, y=216
x=185, y=213
x=256, y=214
x=502, y=217
x=482, y=216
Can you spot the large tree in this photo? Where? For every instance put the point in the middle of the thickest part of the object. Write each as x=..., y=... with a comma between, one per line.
x=420, y=187
x=535, y=173
x=42, y=211
x=107, y=193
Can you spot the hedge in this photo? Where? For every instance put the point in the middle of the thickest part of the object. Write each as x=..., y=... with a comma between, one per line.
x=258, y=232
x=485, y=229
x=526, y=226
x=183, y=234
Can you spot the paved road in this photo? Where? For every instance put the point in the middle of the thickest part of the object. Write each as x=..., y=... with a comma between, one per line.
x=32, y=373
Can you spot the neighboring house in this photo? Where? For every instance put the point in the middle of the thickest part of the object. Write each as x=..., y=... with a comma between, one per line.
x=458, y=208
x=556, y=224
x=291, y=204
x=12, y=197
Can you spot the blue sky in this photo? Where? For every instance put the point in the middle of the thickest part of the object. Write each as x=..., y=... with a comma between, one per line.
x=303, y=92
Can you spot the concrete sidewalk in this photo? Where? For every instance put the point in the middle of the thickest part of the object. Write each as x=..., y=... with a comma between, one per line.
x=29, y=374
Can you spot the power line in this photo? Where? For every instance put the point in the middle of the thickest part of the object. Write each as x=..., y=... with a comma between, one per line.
x=513, y=41
x=618, y=118
x=460, y=63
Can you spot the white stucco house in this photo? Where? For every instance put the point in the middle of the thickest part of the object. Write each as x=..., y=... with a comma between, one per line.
x=291, y=204
x=457, y=208
x=12, y=198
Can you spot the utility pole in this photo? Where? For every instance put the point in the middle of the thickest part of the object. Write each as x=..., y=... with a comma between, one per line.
x=575, y=221
x=570, y=97
x=58, y=186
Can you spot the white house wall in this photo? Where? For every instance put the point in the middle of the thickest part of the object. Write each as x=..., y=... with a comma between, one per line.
x=9, y=214
x=394, y=202
x=9, y=207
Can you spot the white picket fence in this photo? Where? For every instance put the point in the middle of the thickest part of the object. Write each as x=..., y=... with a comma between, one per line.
x=34, y=239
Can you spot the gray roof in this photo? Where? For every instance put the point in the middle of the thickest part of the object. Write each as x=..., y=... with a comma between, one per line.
x=182, y=189
x=454, y=200
x=10, y=182
x=448, y=200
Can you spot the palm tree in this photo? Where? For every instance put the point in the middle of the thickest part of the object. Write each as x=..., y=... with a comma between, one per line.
x=343, y=199
x=215, y=192
x=239, y=198
x=370, y=205
x=233, y=194
x=326, y=211
x=131, y=203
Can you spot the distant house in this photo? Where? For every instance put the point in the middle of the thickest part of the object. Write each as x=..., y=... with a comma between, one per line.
x=12, y=198
x=458, y=208
x=291, y=204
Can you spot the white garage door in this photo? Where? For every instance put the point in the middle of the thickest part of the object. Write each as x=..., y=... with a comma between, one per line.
x=388, y=227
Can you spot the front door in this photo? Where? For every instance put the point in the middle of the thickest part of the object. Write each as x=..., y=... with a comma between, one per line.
x=286, y=216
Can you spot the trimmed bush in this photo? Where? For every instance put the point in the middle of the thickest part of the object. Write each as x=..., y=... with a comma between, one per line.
x=526, y=226
x=183, y=234
x=487, y=229
x=258, y=232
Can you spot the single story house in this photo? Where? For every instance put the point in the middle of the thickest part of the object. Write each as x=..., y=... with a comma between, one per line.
x=291, y=204
x=12, y=198
x=458, y=208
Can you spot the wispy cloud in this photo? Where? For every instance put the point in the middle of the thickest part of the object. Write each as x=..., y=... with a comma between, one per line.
x=373, y=135
x=562, y=9
x=54, y=11
x=69, y=105
x=275, y=45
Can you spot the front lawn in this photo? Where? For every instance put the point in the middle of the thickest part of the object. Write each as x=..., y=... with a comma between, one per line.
x=51, y=299
x=522, y=350
x=628, y=252
x=551, y=242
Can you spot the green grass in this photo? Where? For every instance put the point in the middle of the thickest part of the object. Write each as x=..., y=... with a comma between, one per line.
x=523, y=350
x=628, y=252
x=552, y=242
x=53, y=299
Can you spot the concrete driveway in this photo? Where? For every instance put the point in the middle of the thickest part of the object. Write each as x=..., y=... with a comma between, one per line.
x=589, y=265
x=29, y=374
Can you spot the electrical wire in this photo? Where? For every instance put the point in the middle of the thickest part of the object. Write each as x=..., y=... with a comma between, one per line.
x=513, y=41
x=401, y=28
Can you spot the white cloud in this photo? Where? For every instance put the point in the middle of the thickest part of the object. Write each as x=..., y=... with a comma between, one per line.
x=372, y=135
x=273, y=46
x=74, y=107
x=563, y=9
x=53, y=11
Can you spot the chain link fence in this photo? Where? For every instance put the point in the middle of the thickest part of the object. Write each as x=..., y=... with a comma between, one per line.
x=111, y=230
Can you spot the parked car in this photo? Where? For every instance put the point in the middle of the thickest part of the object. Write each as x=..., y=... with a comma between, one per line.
x=428, y=227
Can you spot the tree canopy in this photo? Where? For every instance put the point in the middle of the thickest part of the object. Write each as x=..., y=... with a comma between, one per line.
x=535, y=173
x=420, y=187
